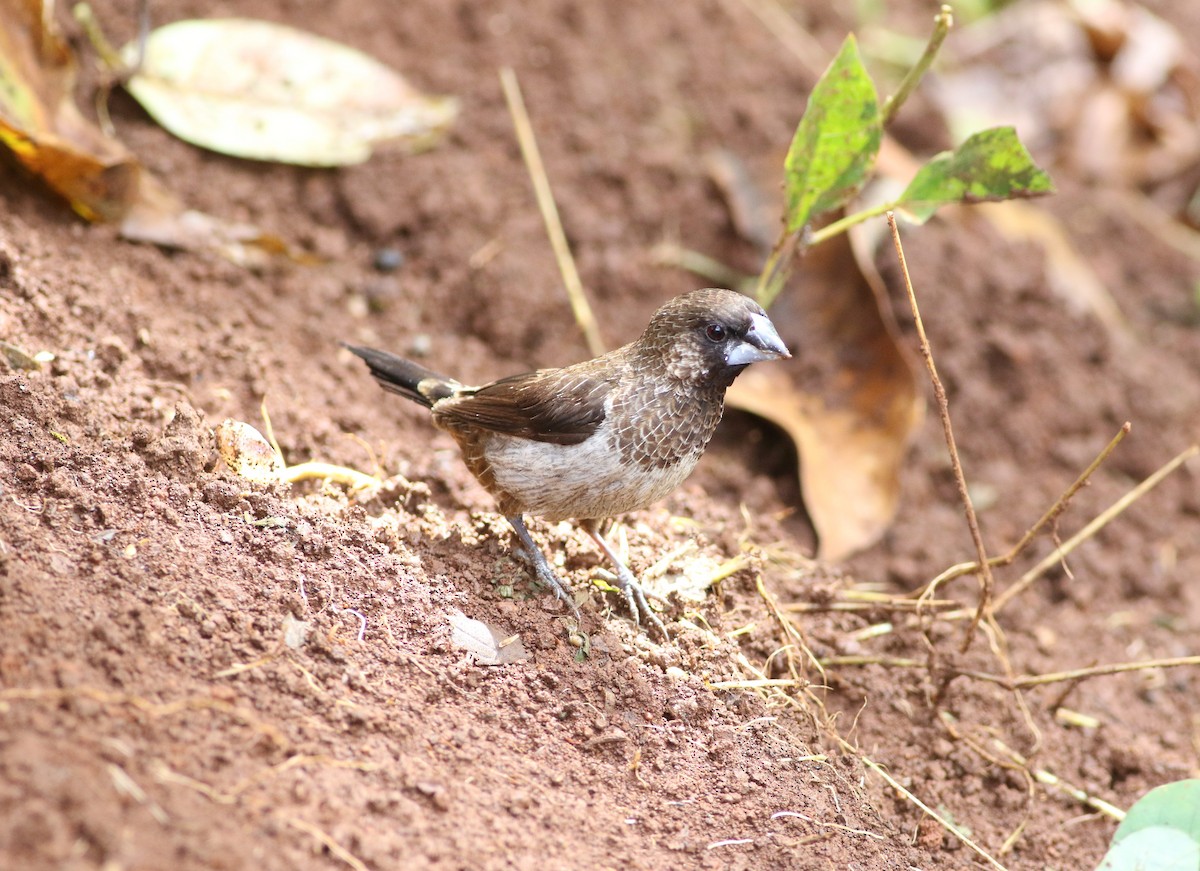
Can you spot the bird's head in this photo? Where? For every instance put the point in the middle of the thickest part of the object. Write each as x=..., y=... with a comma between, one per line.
x=707, y=337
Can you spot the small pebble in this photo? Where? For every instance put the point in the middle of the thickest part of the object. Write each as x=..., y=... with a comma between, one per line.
x=389, y=259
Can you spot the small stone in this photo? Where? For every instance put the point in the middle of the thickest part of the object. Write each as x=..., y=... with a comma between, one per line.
x=389, y=259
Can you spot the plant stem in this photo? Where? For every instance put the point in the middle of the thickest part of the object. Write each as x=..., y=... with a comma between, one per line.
x=941, y=27
x=939, y=392
x=841, y=225
x=778, y=267
x=109, y=56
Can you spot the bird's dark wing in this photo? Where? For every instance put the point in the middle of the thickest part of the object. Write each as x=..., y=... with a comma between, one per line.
x=560, y=406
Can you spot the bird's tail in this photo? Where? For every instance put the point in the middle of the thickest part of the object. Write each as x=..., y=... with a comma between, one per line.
x=411, y=380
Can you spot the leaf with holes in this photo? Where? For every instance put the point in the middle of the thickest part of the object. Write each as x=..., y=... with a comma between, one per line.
x=991, y=165
x=836, y=142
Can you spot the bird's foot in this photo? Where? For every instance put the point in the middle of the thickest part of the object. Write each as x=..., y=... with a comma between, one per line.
x=635, y=597
x=545, y=575
x=627, y=583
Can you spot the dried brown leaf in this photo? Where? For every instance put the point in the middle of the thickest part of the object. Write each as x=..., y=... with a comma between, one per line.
x=160, y=218
x=43, y=128
x=850, y=401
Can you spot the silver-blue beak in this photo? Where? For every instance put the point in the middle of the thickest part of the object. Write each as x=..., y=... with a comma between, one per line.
x=761, y=343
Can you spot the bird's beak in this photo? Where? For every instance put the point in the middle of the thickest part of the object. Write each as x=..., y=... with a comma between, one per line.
x=761, y=343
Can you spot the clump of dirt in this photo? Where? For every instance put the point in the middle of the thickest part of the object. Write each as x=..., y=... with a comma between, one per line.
x=200, y=672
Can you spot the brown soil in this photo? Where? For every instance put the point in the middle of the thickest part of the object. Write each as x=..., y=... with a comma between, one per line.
x=152, y=714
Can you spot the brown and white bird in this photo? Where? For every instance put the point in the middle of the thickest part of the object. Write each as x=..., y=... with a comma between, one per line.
x=603, y=437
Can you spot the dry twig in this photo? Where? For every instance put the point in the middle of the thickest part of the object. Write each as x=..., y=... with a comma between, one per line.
x=943, y=404
x=545, y=200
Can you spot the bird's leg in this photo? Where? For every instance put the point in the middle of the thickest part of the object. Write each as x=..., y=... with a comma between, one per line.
x=546, y=575
x=626, y=580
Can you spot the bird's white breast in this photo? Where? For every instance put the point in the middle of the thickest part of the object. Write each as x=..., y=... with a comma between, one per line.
x=594, y=479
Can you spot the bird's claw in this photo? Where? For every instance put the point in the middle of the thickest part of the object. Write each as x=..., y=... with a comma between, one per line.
x=549, y=579
x=533, y=555
x=635, y=597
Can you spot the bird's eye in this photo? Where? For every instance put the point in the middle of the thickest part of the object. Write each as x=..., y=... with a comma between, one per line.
x=716, y=333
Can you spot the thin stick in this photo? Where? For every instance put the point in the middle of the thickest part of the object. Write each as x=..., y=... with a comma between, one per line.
x=1098, y=670
x=545, y=200
x=1045, y=778
x=1088, y=531
x=352, y=478
x=326, y=840
x=847, y=747
x=943, y=404
x=1056, y=509
x=1011, y=682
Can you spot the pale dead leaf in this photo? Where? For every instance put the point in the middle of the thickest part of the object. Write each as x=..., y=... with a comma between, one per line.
x=485, y=643
x=159, y=217
x=1104, y=86
x=1067, y=271
x=295, y=632
x=269, y=92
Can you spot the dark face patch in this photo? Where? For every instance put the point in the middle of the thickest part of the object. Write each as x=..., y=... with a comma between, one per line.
x=692, y=334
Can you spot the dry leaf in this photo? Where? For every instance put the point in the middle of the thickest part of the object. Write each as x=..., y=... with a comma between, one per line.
x=1072, y=75
x=484, y=642
x=40, y=124
x=1067, y=271
x=247, y=453
x=96, y=174
x=849, y=401
x=269, y=92
x=161, y=218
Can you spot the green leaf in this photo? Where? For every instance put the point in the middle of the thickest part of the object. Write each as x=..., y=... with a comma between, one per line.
x=990, y=165
x=1161, y=832
x=1157, y=848
x=269, y=92
x=1174, y=804
x=836, y=142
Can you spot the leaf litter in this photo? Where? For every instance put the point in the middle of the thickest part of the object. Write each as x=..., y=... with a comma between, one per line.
x=246, y=88
x=41, y=126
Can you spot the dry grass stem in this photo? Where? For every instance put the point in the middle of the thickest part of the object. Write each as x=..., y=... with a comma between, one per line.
x=836, y=826
x=1047, y=779
x=1037, y=680
x=883, y=603
x=152, y=709
x=1098, y=523
x=1052, y=514
x=545, y=200
x=329, y=843
x=792, y=634
x=943, y=404
x=352, y=478
x=1008, y=682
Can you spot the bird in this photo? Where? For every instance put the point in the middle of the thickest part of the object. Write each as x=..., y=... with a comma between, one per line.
x=599, y=438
